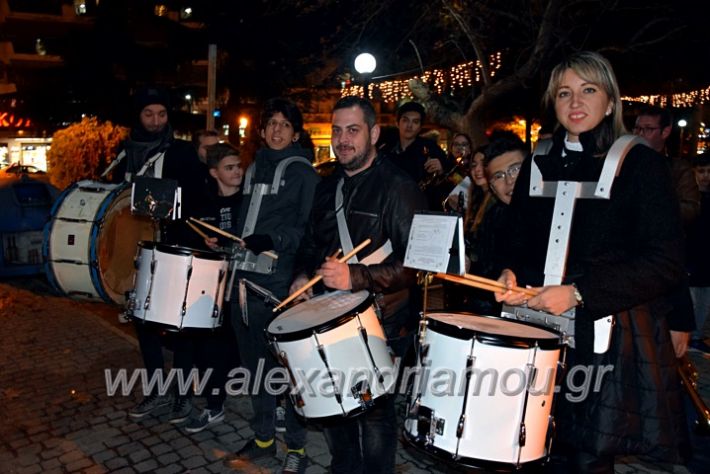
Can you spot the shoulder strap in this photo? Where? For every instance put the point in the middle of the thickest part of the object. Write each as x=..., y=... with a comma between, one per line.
x=259, y=190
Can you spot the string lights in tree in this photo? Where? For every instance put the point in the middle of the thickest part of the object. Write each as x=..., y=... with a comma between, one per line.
x=457, y=77
x=680, y=100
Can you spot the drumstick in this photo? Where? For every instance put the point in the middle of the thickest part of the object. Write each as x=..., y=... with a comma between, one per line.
x=527, y=291
x=228, y=235
x=494, y=287
x=318, y=278
x=194, y=227
x=216, y=229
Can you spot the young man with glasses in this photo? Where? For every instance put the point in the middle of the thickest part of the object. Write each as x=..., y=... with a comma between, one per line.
x=503, y=158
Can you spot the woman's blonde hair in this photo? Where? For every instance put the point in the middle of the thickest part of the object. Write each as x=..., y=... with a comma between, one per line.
x=594, y=68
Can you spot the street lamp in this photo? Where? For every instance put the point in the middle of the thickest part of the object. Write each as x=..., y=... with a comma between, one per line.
x=365, y=63
x=682, y=124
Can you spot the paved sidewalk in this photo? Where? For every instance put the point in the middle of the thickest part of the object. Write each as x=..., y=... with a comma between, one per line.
x=56, y=417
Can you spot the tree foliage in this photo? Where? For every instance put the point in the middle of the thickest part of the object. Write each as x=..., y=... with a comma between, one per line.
x=81, y=150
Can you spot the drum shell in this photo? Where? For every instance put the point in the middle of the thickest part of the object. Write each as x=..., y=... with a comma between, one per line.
x=347, y=357
x=86, y=254
x=169, y=275
x=497, y=399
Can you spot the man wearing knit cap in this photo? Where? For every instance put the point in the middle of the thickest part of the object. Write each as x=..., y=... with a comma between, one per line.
x=152, y=151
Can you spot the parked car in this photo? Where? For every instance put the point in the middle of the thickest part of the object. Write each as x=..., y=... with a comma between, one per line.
x=16, y=171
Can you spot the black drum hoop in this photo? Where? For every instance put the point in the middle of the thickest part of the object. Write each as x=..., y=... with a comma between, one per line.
x=501, y=340
x=463, y=461
x=326, y=326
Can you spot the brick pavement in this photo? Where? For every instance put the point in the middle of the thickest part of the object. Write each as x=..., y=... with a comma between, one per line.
x=56, y=416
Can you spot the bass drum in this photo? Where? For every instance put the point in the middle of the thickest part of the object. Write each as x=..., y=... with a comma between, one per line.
x=90, y=241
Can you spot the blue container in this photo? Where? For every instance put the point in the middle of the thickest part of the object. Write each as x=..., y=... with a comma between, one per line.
x=25, y=206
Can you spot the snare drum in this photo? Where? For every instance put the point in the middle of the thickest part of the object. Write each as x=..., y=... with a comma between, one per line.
x=90, y=241
x=336, y=353
x=483, y=390
x=178, y=287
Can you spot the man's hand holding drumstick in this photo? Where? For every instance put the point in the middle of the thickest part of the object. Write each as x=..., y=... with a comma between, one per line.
x=302, y=280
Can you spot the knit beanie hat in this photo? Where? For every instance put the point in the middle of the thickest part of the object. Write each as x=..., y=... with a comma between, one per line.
x=150, y=95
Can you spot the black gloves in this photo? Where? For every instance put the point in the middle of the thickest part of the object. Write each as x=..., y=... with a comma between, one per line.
x=257, y=243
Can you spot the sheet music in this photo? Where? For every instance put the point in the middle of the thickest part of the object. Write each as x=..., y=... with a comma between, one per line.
x=430, y=240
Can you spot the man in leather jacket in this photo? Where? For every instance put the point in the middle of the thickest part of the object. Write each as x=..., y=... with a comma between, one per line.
x=378, y=202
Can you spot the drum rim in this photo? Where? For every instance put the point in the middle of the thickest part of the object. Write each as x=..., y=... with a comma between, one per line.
x=466, y=461
x=501, y=340
x=325, y=326
x=174, y=249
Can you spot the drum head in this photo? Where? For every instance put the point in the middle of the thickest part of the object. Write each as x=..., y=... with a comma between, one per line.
x=491, y=329
x=319, y=313
x=116, y=243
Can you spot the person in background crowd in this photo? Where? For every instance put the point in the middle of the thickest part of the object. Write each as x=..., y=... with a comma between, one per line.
x=625, y=253
x=699, y=256
x=655, y=125
x=419, y=157
x=379, y=202
x=202, y=139
x=473, y=171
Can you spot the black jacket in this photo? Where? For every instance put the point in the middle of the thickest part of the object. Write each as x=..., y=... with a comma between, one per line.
x=379, y=204
x=282, y=216
x=625, y=256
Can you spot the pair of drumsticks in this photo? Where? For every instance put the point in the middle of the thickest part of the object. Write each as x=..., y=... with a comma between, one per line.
x=220, y=232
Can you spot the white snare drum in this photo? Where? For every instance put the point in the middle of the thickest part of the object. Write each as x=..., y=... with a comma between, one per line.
x=178, y=287
x=90, y=241
x=336, y=352
x=483, y=390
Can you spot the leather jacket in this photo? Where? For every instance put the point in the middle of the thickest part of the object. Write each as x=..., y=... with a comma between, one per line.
x=379, y=203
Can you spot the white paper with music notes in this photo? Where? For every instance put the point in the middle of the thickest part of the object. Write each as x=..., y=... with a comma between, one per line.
x=430, y=240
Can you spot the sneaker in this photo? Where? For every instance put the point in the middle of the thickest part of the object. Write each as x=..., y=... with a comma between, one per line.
x=249, y=452
x=206, y=418
x=280, y=419
x=182, y=408
x=149, y=405
x=698, y=345
x=294, y=463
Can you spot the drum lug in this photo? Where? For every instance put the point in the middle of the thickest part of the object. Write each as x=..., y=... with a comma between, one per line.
x=362, y=393
x=130, y=301
x=422, y=330
x=414, y=407
x=436, y=427
x=522, y=436
x=460, y=426
x=423, y=352
x=296, y=398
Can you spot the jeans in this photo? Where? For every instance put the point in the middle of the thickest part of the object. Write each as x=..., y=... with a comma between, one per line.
x=152, y=339
x=254, y=352
x=366, y=443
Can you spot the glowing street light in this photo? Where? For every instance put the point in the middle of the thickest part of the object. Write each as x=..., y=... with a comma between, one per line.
x=682, y=123
x=365, y=64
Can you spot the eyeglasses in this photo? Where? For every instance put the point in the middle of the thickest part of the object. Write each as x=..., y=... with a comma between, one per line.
x=645, y=130
x=511, y=173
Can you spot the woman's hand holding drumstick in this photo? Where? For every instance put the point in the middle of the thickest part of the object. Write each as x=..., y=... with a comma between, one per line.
x=320, y=276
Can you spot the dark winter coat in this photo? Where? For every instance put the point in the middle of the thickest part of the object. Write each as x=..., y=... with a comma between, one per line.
x=282, y=216
x=379, y=203
x=625, y=255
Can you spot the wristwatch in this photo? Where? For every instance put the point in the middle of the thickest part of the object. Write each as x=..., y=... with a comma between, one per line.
x=577, y=295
